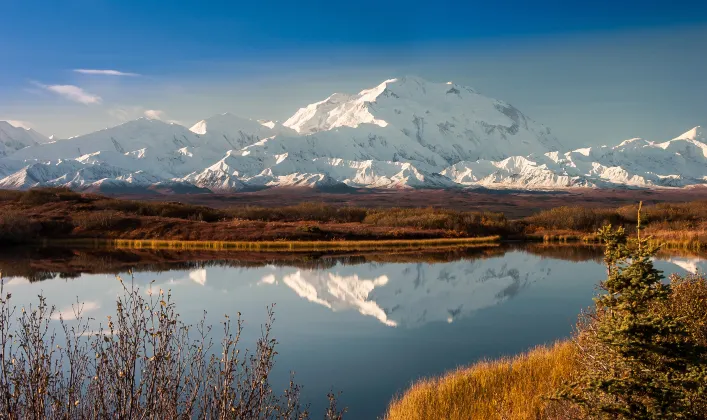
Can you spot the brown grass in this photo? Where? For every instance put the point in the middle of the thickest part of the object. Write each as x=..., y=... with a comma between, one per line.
x=508, y=388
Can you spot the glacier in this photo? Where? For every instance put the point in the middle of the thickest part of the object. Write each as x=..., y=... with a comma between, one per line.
x=402, y=133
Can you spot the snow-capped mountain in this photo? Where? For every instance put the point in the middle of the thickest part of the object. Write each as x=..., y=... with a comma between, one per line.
x=14, y=138
x=679, y=162
x=451, y=121
x=403, y=133
x=235, y=133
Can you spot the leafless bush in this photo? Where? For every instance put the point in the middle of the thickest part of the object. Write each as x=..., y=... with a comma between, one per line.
x=143, y=363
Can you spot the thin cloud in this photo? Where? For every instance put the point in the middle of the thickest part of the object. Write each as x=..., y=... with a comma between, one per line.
x=128, y=113
x=72, y=93
x=155, y=114
x=97, y=72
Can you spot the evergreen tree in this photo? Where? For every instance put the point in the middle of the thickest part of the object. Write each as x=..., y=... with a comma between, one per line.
x=647, y=366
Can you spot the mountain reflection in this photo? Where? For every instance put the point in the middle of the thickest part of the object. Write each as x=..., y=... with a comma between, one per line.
x=404, y=290
x=413, y=294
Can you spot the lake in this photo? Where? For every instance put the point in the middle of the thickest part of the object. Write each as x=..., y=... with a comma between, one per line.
x=364, y=324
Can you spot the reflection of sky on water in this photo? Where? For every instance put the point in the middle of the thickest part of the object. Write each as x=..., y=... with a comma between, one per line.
x=370, y=329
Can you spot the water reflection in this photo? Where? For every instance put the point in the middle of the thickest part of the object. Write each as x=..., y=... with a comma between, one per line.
x=399, y=290
x=412, y=294
x=367, y=324
x=44, y=263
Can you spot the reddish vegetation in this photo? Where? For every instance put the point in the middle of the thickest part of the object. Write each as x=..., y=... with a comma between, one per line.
x=514, y=204
x=57, y=213
x=63, y=214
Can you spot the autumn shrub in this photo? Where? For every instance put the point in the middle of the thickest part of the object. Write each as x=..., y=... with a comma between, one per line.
x=318, y=212
x=162, y=209
x=96, y=220
x=10, y=195
x=472, y=223
x=688, y=302
x=39, y=196
x=16, y=228
x=574, y=218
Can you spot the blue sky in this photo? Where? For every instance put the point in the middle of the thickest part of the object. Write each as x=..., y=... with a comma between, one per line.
x=595, y=73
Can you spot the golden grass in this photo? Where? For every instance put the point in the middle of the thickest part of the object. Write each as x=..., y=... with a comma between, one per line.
x=563, y=237
x=293, y=245
x=694, y=239
x=509, y=388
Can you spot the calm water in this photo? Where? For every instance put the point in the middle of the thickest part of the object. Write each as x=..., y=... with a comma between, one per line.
x=367, y=326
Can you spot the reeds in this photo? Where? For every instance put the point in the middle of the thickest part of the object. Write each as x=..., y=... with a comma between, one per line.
x=564, y=237
x=304, y=245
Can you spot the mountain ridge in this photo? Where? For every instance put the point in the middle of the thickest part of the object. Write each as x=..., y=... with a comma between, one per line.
x=402, y=133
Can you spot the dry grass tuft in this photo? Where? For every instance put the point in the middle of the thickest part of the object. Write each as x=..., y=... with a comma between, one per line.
x=509, y=388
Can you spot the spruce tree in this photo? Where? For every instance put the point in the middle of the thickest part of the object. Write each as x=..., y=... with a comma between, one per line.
x=647, y=367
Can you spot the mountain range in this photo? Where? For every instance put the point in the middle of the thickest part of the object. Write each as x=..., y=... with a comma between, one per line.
x=403, y=133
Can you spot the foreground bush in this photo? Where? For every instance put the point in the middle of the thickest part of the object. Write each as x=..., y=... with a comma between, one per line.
x=144, y=363
x=510, y=388
x=640, y=359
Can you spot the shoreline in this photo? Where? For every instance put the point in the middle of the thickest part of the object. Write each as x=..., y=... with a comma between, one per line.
x=284, y=246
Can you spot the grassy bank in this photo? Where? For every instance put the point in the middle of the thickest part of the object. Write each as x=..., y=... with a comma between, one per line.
x=508, y=388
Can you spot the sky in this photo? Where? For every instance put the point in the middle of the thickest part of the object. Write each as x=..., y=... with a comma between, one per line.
x=596, y=73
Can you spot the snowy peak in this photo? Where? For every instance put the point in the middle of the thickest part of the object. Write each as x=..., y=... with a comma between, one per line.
x=246, y=130
x=13, y=138
x=132, y=136
x=225, y=123
x=454, y=122
x=400, y=133
x=696, y=134
x=315, y=117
